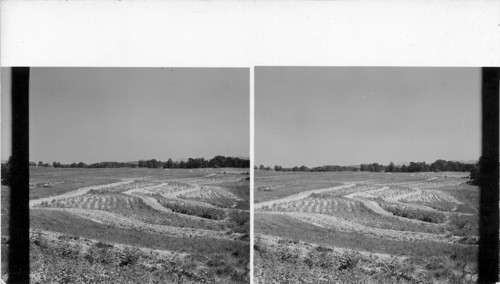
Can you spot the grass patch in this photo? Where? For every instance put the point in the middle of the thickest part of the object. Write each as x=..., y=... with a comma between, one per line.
x=464, y=225
x=412, y=213
x=68, y=262
x=290, y=228
x=242, y=190
x=67, y=223
x=194, y=210
x=239, y=222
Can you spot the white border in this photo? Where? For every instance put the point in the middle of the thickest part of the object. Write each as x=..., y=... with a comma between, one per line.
x=249, y=33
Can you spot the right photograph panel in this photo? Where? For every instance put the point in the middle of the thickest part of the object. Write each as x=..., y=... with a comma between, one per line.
x=366, y=174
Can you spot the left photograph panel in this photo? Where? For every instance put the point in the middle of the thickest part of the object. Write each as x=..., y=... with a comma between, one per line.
x=136, y=175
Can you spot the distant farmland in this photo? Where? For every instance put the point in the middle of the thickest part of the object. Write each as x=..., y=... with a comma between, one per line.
x=359, y=227
x=136, y=225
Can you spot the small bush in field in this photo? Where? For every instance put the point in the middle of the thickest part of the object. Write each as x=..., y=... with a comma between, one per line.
x=349, y=261
x=128, y=257
x=39, y=240
x=68, y=251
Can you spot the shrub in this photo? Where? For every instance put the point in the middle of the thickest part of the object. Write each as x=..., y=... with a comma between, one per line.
x=128, y=257
x=68, y=251
x=349, y=261
x=39, y=240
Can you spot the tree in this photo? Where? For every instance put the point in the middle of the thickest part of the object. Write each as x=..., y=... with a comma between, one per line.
x=404, y=169
x=261, y=167
x=414, y=167
x=170, y=163
x=391, y=168
x=218, y=161
x=154, y=164
x=40, y=163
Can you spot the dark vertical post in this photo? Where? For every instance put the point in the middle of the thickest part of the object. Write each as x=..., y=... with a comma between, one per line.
x=488, y=220
x=19, y=198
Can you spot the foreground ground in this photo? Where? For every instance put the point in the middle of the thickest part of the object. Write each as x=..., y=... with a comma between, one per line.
x=365, y=228
x=136, y=226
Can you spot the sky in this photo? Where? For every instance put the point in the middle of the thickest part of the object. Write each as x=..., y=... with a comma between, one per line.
x=127, y=114
x=316, y=116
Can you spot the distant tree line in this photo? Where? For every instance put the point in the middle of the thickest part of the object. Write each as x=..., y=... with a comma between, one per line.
x=216, y=162
x=412, y=167
x=41, y=164
x=96, y=165
x=329, y=168
x=437, y=166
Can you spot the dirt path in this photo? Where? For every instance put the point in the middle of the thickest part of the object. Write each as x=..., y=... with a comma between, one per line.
x=151, y=201
x=300, y=195
x=80, y=191
x=370, y=204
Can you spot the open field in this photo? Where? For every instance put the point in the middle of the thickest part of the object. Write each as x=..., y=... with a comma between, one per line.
x=358, y=227
x=136, y=225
